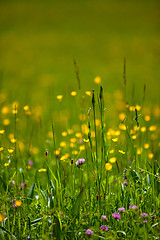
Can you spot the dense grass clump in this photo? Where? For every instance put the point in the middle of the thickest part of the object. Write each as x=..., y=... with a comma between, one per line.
x=95, y=175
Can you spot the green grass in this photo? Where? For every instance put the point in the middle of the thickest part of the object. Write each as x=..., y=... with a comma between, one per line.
x=55, y=198
x=61, y=200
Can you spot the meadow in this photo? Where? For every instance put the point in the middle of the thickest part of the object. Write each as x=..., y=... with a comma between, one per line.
x=79, y=120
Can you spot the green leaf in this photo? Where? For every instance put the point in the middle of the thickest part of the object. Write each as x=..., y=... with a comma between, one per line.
x=57, y=228
x=135, y=175
x=31, y=191
x=78, y=202
x=6, y=231
x=148, y=179
x=3, y=184
x=121, y=233
x=35, y=221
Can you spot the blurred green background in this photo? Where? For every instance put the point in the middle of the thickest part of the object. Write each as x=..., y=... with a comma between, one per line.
x=40, y=39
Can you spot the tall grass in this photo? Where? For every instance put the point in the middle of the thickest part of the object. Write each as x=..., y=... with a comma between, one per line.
x=64, y=185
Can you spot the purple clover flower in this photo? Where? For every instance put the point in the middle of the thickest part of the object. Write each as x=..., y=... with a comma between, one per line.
x=104, y=228
x=104, y=217
x=80, y=161
x=144, y=215
x=121, y=209
x=30, y=162
x=22, y=185
x=89, y=232
x=116, y=216
x=133, y=207
x=145, y=221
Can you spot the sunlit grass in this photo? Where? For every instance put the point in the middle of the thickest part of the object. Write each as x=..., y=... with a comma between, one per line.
x=59, y=180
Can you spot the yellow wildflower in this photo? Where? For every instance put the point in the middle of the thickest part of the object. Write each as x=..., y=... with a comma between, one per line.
x=82, y=147
x=78, y=134
x=18, y=203
x=134, y=137
x=59, y=97
x=117, y=133
x=88, y=93
x=136, y=128
x=138, y=107
x=10, y=150
x=114, y=139
x=6, y=164
x=131, y=108
x=64, y=157
x=73, y=140
x=64, y=134
x=2, y=131
x=71, y=145
x=122, y=116
x=28, y=166
x=6, y=122
x=112, y=160
x=73, y=93
x=97, y=80
x=143, y=129
x=147, y=118
x=122, y=152
x=74, y=152
x=42, y=170
x=108, y=166
x=13, y=140
x=85, y=140
x=131, y=131
x=111, y=151
x=57, y=152
x=139, y=151
x=122, y=126
x=146, y=145
x=63, y=144
x=1, y=217
x=26, y=108
x=14, y=111
x=5, y=110
x=152, y=128
x=150, y=155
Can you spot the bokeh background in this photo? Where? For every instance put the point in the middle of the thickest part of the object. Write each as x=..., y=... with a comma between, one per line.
x=39, y=40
